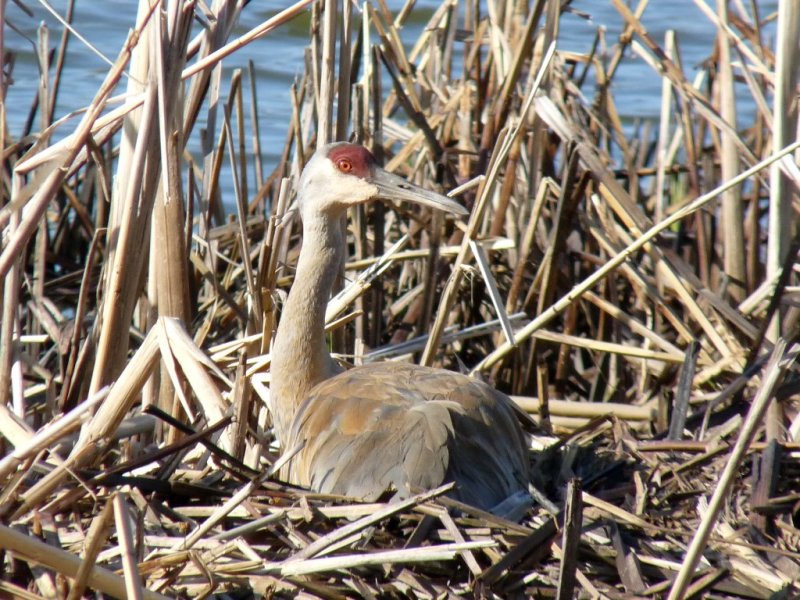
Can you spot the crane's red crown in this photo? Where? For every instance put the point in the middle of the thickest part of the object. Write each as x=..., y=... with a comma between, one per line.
x=352, y=159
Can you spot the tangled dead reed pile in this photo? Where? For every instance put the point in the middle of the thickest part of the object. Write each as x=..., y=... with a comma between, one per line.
x=632, y=286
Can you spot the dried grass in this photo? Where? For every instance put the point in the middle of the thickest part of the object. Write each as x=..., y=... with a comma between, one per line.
x=136, y=451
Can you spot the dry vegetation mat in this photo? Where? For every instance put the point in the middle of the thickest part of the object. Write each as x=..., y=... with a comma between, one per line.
x=632, y=285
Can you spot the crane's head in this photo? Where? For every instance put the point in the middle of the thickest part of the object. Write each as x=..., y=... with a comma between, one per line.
x=343, y=174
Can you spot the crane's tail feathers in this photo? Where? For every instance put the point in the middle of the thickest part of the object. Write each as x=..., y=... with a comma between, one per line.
x=514, y=507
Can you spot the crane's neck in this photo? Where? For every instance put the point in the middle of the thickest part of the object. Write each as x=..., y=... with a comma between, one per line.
x=300, y=357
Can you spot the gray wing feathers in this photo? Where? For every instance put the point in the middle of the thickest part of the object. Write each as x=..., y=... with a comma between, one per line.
x=403, y=427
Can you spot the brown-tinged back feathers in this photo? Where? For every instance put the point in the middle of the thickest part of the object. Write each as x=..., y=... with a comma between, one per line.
x=395, y=426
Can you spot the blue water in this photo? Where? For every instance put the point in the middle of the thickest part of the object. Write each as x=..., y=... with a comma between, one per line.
x=279, y=56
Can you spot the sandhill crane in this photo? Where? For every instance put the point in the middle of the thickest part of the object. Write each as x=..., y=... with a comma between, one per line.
x=388, y=425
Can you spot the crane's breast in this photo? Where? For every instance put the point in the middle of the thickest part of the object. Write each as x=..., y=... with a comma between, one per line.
x=403, y=427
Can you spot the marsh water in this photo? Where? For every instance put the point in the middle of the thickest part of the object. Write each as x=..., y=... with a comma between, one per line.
x=278, y=57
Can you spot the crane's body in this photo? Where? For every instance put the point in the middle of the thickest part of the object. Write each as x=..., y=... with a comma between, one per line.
x=389, y=425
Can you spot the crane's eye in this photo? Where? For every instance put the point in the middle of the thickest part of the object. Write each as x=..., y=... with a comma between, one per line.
x=344, y=165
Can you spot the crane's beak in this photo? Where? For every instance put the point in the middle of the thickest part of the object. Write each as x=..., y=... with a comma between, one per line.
x=393, y=187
